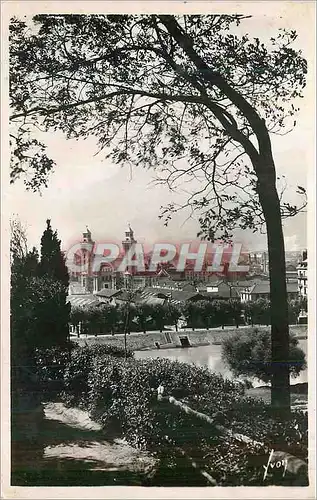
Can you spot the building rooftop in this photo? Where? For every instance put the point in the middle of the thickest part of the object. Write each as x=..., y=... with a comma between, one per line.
x=107, y=292
x=82, y=300
x=264, y=287
x=77, y=289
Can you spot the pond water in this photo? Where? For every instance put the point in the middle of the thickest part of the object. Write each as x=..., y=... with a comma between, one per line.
x=209, y=355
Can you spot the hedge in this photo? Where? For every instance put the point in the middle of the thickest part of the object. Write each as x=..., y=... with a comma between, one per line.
x=50, y=364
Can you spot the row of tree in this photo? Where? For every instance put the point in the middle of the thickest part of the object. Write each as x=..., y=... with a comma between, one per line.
x=257, y=312
x=107, y=318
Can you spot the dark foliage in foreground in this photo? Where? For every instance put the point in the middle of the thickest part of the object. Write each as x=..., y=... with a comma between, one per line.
x=122, y=395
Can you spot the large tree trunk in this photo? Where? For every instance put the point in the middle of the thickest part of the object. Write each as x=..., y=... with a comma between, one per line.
x=262, y=160
x=280, y=393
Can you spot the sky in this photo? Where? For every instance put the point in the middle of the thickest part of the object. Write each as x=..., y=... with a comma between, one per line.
x=88, y=190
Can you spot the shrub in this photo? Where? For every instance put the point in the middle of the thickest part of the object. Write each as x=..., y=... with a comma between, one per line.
x=249, y=354
x=80, y=366
x=51, y=362
x=258, y=420
x=50, y=365
x=99, y=350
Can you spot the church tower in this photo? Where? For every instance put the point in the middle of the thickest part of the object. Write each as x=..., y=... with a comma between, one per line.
x=127, y=243
x=129, y=239
x=87, y=246
x=87, y=236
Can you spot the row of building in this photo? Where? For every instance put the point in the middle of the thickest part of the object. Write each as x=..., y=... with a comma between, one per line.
x=168, y=283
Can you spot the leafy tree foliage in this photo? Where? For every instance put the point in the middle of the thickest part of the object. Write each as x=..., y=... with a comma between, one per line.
x=190, y=311
x=235, y=311
x=143, y=315
x=206, y=312
x=18, y=241
x=158, y=314
x=97, y=319
x=38, y=314
x=25, y=393
x=76, y=317
x=173, y=313
x=221, y=312
x=179, y=102
x=109, y=317
x=258, y=311
x=52, y=266
x=250, y=355
x=22, y=333
x=39, y=333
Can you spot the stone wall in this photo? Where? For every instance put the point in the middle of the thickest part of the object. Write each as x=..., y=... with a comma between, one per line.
x=135, y=341
x=141, y=341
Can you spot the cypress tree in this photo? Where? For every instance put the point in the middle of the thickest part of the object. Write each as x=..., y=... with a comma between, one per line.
x=52, y=266
x=52, y=262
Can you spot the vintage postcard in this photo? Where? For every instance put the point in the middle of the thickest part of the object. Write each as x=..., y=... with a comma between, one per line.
x=158, y=249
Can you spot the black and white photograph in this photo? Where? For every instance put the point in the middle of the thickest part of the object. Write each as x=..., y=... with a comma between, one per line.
x=158, y=249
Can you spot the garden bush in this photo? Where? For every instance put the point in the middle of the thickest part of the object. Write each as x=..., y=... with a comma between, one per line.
x=122, y=396
x=80, y=366
x=126, y=391
x=97, y=350
x=259, y=421
x=49, y=366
